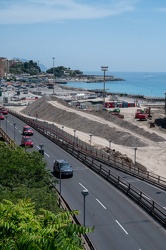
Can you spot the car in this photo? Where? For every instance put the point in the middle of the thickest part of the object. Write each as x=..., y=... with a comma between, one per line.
x=27, y=130
x=62, y=168
x=2, y=116
x=4, y=111
x=26, y=141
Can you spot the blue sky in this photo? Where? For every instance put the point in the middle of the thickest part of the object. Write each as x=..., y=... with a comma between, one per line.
x=125, y=35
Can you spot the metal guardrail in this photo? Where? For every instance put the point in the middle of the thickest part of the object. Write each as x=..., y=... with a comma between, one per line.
x=97, y=154
x=152, y=207
x=6, y=138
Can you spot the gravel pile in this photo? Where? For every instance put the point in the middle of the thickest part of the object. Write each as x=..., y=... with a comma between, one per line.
x=48, y=112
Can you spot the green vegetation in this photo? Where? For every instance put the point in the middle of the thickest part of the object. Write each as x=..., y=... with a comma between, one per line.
x=25, y=68
x=22, y=229
x=23, y=175
x=62, y=72
x=30, y=217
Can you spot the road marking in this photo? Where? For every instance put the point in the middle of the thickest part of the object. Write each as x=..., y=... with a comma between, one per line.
x=83, y=186
x=121, y=227
x=100, y=203
x=164, y=208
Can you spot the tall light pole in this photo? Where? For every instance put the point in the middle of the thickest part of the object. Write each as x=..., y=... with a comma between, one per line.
x=165, y=100
x=74, y=135
x=90, y=141
x=104, y=68
x=14, y=124
x=53, y=74
x=38, y=74
x=135, y=149
x=109, y=144
x=84, y=193
x=6, y=123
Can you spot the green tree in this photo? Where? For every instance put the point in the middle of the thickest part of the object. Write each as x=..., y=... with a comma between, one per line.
x=24, y=174
x=22, y=229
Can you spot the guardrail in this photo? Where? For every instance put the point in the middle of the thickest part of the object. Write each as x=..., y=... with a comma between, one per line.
x=6, y=138
x=98, y=154
x=85, y=239
x=152, y=207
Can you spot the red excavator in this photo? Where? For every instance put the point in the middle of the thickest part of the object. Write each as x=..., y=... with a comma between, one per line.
x=142, y=114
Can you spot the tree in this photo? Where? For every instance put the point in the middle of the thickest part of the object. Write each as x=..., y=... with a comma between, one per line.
x=24, y=174
x=22, y=229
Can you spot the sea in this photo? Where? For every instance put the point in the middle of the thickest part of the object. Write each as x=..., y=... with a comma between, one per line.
x=148, y=84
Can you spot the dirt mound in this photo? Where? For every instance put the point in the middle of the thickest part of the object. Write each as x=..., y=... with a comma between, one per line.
x=44, y=110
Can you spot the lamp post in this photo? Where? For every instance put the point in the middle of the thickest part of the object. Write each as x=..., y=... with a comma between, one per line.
x=104, y=68
x=53, y=74
x=84, y=193
x=109, y=144
x=14, y=124
x=135, y=149
x=6, y=122
x=38, y=74
x=165, y=100
x=74, y=135
x=41, y=151
x=90, y=141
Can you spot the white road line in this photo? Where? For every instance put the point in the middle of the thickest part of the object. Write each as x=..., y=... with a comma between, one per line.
x=82, y=186
x=121, y=227
x=46, y=154
x=100, y=203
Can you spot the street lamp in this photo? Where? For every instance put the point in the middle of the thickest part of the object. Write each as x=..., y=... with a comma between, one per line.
x=53, y=74
x=84, y=193
x=41, y=151
x=109, y=144
x=135, y=149
x=6, y=123
x=14, y=124
x=90, y=141
x=104, y=68
x=38, y=74
x=165, y=100
x=74, y=135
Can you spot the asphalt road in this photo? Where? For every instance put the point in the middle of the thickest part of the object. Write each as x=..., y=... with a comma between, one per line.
x=119, y=223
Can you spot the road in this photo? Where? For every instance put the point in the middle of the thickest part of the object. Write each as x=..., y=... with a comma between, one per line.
x=119, y=223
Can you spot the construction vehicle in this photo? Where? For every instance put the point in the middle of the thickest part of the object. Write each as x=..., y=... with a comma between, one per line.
x=143, y=114
x=115, y=111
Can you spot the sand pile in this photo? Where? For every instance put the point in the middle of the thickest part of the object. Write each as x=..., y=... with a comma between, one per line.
x=119, y=134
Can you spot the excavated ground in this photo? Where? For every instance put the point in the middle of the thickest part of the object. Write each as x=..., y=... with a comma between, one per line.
x=44, y=110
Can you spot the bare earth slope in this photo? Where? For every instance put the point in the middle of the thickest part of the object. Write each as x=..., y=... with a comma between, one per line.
x=123, y=134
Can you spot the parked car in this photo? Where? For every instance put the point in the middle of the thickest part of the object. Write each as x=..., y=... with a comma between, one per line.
x=27, y=130
x=63, y=168
x=26, y=141
x=2, y=116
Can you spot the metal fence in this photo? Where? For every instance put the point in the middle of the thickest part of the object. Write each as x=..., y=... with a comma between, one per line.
x=110, y=158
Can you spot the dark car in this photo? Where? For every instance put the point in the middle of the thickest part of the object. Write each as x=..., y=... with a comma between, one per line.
x=27, y=130
x=62, y=168
x=27, y=142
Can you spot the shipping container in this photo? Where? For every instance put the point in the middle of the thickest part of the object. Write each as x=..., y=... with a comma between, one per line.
x=109, y=105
